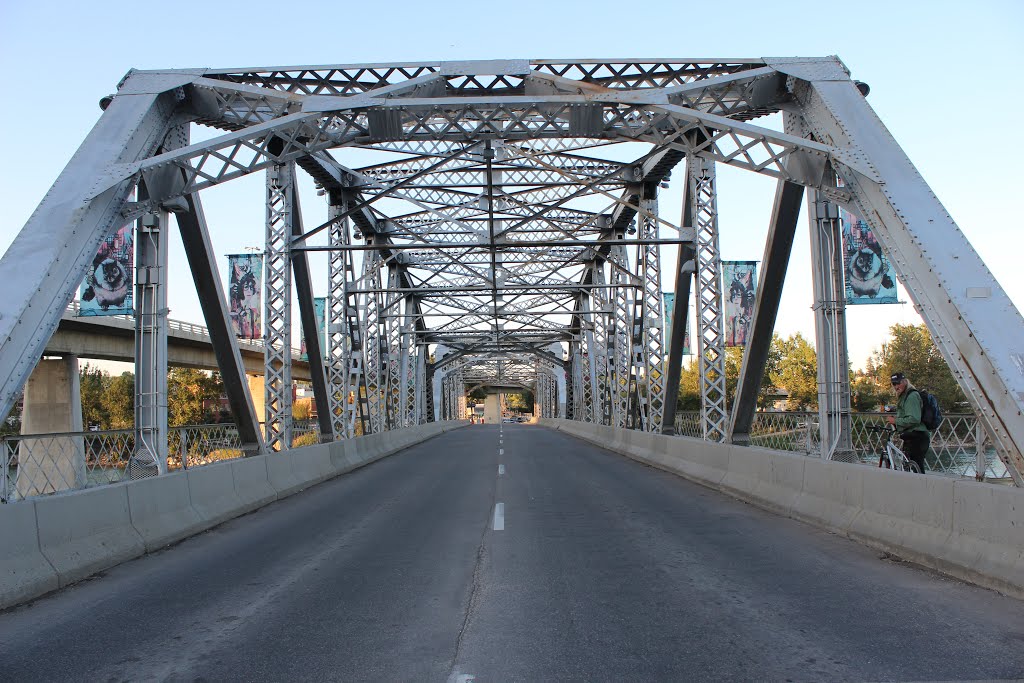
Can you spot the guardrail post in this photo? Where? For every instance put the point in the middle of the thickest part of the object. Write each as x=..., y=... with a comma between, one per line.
x=979, y=451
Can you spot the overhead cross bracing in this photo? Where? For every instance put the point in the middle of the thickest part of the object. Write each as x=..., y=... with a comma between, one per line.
x=504, y=224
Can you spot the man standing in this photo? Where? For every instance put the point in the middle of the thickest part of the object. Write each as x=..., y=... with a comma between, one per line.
x=915, y=435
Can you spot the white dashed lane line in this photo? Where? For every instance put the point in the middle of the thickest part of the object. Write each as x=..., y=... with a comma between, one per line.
x=501, y=470
x=499, y=517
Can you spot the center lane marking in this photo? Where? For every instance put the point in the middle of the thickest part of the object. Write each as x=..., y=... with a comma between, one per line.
x=501, y=470
x=499, y=516
x=501, y=451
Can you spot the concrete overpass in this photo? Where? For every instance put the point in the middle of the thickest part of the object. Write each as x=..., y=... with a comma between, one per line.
x=188, y=345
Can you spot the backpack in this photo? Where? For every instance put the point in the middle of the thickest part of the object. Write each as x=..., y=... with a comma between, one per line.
x=931, y=413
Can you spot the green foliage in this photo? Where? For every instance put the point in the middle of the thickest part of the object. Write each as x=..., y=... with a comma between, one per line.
x=187, y=390
x=689, y=379
x=302, y=408
x=910, y=350
x=94, y=384
x=521, y=402
x=865, y=392
x=307, y=439
x=797, y=372
x=119, y=402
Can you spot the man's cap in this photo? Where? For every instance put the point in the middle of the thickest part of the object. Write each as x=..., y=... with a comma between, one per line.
x=897, y=378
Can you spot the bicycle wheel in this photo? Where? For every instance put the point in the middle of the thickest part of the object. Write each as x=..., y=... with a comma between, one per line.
x=913, y=467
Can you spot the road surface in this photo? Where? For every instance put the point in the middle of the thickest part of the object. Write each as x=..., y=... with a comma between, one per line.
x=514, y=553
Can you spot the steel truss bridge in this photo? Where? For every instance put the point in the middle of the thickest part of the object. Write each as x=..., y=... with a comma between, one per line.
x=504, y=242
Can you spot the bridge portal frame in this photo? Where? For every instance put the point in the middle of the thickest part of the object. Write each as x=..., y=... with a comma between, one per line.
x=699, y=109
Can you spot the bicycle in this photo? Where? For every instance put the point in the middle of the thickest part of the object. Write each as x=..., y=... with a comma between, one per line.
x=890, y=456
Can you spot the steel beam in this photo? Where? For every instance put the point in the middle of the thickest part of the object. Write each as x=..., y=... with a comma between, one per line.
x=277, y=307
x=195, y=238
x=777, y=249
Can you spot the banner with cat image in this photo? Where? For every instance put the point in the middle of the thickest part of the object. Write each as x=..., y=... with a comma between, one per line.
x=245, y=283
x=107, y=289
x=870, y=278
x=739, y=279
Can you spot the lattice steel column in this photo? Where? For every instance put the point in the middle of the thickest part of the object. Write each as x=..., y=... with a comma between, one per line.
x=391, y=320
x=372, y=338
x=602, y=370
x=409, y=371
x=424, y=392
x=460, y=395
x=277, y=307
x=574, y=383
x=622, y=322
x=653, y=403
x=589, y=363
x=338, y=335
x=711, y=338
x=150, y=456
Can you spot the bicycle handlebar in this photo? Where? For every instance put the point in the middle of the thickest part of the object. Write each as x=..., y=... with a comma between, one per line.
x=882, y=428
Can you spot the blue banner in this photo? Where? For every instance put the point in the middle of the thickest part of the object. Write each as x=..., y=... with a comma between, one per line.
x=107, y=289
x=870, y=278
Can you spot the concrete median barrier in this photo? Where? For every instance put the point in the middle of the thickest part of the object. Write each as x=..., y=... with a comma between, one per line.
x=24, y=572
x=311, y=465
x=252, y=483
x=282, y=476
x=161, y=510
x=212, y=491
x=84, y=532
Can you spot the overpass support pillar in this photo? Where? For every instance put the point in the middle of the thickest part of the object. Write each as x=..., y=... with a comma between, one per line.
x=53, y=403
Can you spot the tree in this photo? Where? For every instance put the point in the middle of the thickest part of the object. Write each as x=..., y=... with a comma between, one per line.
x=797, y=372
x=910, y=350
x=94, y=385
x=188, y=390
x=689, y=377
x=865, y=392
x=119, y=402
x=520, y=402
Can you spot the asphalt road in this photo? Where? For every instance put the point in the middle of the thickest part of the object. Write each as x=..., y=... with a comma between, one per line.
x=573, y=564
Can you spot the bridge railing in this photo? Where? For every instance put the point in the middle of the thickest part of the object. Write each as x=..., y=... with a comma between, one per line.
x=183, y=326
x=958, y=447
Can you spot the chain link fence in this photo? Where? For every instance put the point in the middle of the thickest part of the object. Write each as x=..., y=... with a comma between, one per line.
x=41, y=464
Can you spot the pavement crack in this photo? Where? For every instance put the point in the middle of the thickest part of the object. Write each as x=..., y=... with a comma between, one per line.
x=474, y=595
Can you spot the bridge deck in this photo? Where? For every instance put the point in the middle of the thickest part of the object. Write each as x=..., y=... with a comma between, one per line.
x=604, y=570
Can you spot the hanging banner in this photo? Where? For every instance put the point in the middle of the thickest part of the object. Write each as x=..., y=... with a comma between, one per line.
x=245, y=282
x=107, y=289
x=870, y=278
x=320, y=310
x=739, y=278
x=668, y=303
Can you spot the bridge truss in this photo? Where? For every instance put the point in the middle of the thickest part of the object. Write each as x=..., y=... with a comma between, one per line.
x=510, y=235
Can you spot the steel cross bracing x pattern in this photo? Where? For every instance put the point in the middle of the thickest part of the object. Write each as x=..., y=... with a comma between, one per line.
x=277, y=306
x=339, y=339
x=711, y=340
x=652, y=401
x=496, y=193
x=620, y=331
x=601, y=309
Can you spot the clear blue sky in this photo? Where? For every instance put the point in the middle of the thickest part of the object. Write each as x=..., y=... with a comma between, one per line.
x=945, y=78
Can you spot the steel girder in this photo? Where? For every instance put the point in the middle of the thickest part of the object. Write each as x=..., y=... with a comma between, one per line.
x=508, y=203
x=711, y=337
x=281, y=212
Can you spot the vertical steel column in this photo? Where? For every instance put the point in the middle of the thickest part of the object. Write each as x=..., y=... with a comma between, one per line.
x=600, y=312
x=460, y=395
x=150, y=456
x=338, y=340
x=371, y=324
x=391, y=318
x=711, y=336
x=827, y=266
x=649, y=268
x=410, y=365
x=575, y=382
x=423, y=400
x=591, y=394
x=622, y=321
x=277, y=307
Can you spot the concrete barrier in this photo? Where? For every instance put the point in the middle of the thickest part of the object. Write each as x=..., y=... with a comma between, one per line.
x=212, y=491
x=24, y=572
x=84, y=532
x=161, y=510
x=312, y=464
x=252, y=483
x=966, y=529
x=53, y=541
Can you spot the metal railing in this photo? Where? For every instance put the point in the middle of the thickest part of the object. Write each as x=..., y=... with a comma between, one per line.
x=959, y=447
x=41, y=464
x=182, y=326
